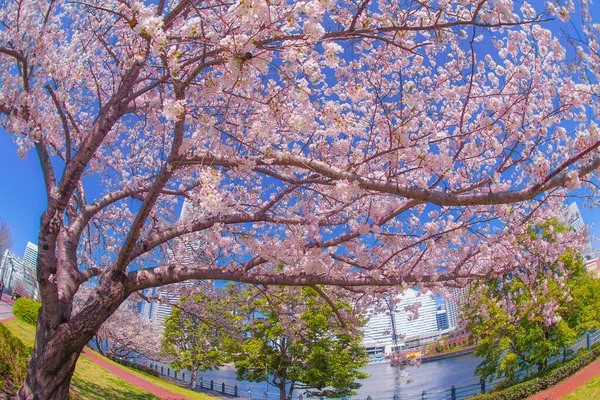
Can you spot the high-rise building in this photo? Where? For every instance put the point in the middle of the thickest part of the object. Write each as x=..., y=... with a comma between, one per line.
x=160, y=306
x=573, y=217
x=380, y=333
x=389, y=328
x=442, y=319
x=453, y=306
x=19, y=275
x=30, y=256
x=10, y=263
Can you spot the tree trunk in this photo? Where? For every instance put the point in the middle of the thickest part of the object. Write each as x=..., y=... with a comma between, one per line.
x=59, y=340
x=282, y=391
x=193, y=383
x=52, y=365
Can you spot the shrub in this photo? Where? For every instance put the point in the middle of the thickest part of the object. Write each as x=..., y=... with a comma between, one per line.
x=133, y=365
x=27, y=310
x=543, y=380
x=14, y=356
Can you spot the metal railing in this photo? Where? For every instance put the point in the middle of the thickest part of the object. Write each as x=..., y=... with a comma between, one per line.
x=201, y=384
x=453, y=393
x=464, y=392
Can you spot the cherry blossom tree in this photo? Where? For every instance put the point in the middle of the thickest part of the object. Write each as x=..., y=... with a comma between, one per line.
x=352, y=143
x=523, y=320
x=125, y=333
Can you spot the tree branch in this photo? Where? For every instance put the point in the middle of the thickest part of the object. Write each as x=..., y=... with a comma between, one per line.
x=63, y=120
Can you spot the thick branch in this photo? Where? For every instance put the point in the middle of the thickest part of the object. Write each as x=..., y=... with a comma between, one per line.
x=15, y=54
x=198, y=225
x=47, y=168
x=90, y=210
x=408, y=191
x=164, y=275
x=155, y=190
x=108, y=116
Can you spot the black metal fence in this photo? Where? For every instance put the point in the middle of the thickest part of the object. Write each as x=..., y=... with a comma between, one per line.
x=452, y=393
x=185, y=379
x=463, y=392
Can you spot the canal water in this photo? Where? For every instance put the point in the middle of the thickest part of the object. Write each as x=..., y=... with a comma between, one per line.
x=434, y=376
x=384, y=380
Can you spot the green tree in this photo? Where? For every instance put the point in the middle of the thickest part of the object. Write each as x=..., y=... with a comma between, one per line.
x=523, y=319
x=193, y=336
x=300, y=339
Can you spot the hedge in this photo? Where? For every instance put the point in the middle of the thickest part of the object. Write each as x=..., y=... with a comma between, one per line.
x=544, y=381
x=133, y=365
x=26, y=310
x=14, y=356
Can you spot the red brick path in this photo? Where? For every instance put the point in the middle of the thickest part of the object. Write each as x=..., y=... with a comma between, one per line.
x=134, y=380
x=570, y=384
x=6, y=304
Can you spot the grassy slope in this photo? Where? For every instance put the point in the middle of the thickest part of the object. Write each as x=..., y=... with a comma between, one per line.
x=90, y=381
x=591, y=390
x=23, y=331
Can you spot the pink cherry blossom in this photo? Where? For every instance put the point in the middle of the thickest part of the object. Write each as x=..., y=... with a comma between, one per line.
x=371, y=146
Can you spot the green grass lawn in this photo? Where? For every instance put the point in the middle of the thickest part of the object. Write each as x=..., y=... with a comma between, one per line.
x=25, y=332
x=91, y=381
x=590, y=390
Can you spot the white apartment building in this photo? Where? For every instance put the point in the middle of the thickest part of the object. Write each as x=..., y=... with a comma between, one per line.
x=453, y=306
x=387, y=329
x=20, y=274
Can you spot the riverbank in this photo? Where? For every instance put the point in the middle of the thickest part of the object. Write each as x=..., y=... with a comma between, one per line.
x=433, y=357
x=449, y=354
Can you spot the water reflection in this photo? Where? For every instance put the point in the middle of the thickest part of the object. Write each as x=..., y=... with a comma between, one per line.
x=384, y=380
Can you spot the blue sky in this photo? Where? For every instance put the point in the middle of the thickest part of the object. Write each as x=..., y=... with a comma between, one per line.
x=22, y=193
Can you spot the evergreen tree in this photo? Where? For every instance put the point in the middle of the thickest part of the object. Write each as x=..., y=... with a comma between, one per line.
x=191, y=336
x=296, y=339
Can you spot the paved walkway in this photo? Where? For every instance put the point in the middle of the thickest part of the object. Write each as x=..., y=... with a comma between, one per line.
x=6, y=308
x=134, y=380
x=570, y=384
x=6, y=315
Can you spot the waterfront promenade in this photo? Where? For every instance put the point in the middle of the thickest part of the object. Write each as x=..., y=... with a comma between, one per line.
x=555, y=393
x=570, y=384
